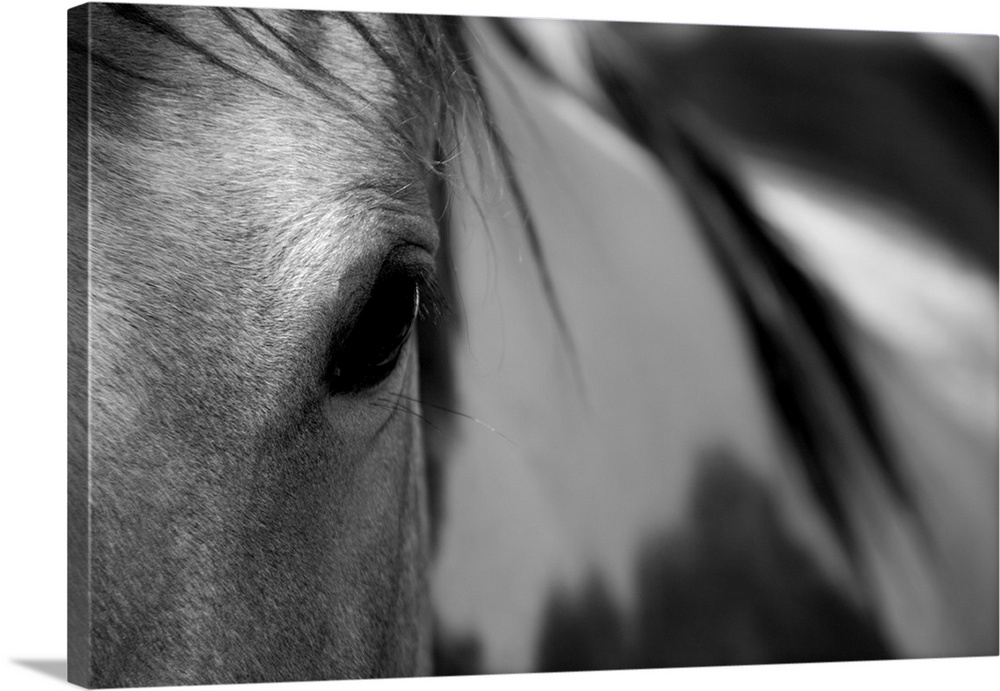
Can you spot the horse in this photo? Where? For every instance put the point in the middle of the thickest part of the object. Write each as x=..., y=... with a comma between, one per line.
x=344, y=403
x=253, y=452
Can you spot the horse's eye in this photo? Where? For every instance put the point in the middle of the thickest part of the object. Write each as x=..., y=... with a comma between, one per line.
x=372, y=349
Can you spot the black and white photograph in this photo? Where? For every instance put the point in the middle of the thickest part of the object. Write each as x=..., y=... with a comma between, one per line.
x=478, y=344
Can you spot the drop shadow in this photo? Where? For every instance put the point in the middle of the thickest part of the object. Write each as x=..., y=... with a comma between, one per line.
x=55, y=668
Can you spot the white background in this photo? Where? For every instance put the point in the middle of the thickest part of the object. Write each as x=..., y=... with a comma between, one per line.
x=32, y=271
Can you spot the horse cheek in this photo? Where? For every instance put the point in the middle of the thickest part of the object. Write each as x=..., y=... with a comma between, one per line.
x=377, y=536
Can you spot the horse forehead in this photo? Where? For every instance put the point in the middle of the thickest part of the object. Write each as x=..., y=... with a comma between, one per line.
x=296, y=107
x=262, y=163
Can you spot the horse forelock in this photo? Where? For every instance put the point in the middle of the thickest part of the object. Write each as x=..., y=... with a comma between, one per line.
x=342, y=59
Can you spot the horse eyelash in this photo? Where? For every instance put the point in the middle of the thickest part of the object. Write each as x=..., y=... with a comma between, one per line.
x=457, y=413
x=434, y=305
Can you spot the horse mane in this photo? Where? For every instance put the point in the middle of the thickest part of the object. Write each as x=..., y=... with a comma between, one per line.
x=797, y=331
x=802, y=334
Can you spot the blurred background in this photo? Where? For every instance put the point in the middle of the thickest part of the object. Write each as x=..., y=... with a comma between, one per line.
x=767, y=429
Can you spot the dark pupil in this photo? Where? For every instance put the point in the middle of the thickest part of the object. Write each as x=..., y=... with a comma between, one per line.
x=372, y=349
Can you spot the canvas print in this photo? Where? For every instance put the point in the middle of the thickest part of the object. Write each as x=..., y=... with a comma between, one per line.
x=409, y=345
